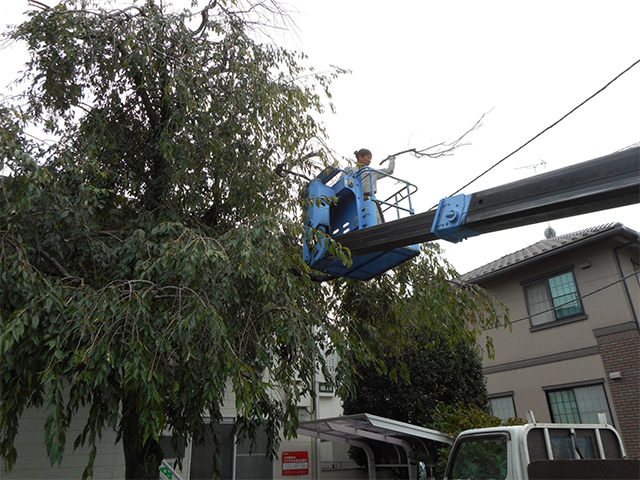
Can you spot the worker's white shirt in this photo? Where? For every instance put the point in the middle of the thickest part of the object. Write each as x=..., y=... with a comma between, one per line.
x=368, y=182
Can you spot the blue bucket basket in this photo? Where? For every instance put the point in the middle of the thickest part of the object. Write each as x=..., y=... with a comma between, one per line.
x=337, y=206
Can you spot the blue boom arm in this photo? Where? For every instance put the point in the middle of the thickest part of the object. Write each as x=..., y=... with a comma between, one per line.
x=599, y=184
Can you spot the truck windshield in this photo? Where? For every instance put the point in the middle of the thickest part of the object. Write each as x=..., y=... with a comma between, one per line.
x=479, y=458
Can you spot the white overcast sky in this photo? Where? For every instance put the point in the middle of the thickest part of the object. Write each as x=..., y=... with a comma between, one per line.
x=424, y=71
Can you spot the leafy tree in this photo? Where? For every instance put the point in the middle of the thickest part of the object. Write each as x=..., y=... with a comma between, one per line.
x=429, y=359
x=430, y=372
x=149, y=256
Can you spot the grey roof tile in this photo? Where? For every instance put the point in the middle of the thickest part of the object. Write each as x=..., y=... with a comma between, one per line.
x=539, y=249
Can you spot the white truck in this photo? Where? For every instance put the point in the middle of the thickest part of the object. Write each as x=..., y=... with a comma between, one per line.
x=541, y=451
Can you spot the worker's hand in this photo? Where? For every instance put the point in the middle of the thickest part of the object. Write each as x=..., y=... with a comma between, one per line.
x=389, y=158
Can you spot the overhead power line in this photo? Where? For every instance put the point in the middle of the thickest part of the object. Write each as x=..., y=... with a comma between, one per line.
x=548, y=128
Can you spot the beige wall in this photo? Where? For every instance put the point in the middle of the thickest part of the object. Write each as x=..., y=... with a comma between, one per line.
x=594, y=268
x=626, y=256
x=528, y=360
x=32, y=462
x=527, y=383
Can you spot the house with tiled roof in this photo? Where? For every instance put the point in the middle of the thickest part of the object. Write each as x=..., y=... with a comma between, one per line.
x=573, y=348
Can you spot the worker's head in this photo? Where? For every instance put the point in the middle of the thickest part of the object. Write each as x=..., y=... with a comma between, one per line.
x=363, y=157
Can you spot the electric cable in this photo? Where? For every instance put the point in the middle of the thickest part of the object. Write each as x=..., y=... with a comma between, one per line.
x=546, y=129
x=598, y=290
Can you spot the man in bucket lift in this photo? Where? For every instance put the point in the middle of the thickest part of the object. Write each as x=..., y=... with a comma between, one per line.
x=370, y=178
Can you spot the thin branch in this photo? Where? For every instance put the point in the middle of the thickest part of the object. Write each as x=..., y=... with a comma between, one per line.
x=281, y=171
x=205, y=17
x=104, y=232
x=63, y=271
x=441, y=149
x=40, y=5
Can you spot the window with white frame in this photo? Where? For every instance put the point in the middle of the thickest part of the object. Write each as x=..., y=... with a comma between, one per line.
x=579, y=404
x=502, y=407
x=553, y=298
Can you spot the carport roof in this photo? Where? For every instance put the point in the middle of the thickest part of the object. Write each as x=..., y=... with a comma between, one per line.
x=358, y=428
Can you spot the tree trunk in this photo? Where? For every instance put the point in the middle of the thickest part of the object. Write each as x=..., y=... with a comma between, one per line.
x=142, y=459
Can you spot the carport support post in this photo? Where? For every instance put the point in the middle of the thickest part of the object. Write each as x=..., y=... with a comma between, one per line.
x=412, y=469
x=371, y=460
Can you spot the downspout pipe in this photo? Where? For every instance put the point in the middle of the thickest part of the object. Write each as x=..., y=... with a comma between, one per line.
x=626, y=285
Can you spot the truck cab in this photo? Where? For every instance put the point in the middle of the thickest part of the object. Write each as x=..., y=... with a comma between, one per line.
x=539, y=450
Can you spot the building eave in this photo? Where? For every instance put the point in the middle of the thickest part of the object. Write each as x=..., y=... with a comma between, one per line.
x=530, y=257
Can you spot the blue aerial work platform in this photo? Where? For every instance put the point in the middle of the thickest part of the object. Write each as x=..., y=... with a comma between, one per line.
x=337, y=205
x=599, y=184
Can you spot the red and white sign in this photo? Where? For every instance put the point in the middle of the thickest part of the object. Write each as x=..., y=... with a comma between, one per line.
x=295, y=463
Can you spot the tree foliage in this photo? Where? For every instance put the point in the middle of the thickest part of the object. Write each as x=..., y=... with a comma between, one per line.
x=421, y=298
x=429, y=362
x=149, y=256
x=430, y=372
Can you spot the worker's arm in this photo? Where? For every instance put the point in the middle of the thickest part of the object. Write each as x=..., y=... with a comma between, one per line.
x=392, y=166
